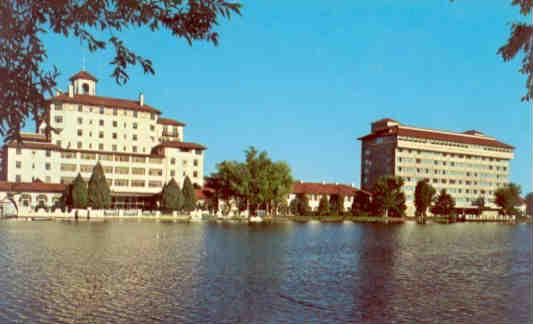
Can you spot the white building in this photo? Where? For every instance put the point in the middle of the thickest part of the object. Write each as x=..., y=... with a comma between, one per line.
x=469, y=165
x=139, y=150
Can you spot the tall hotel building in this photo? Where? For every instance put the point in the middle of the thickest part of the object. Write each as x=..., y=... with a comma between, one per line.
x=468, y=165
x=139, y=150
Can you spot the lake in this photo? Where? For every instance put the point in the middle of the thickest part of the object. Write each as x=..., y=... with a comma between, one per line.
x=148, y=272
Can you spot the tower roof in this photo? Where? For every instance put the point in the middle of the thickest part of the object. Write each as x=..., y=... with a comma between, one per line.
x=83, y=75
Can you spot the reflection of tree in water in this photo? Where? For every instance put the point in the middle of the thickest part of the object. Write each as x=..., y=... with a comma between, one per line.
x=376, y=266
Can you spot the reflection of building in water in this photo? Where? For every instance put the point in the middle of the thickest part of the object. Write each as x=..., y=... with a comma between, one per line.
x=468, y=165
x=139, y=150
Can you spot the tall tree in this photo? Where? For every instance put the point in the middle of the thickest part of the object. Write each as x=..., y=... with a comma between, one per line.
x=189, y=196
x=388, y=197
x=444, y=204
x=302, y=204
x=78, y=194
x=508, y=198
x=529, y=204
x=25, y=81
x=361, y=203
x=323, y=206
x=424, y=193
x=336, y=205
x=99, y=193
x=171, y=197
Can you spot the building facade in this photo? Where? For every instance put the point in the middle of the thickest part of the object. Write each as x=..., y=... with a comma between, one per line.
x=468, y=165
x=140, y=151
x=315, y=191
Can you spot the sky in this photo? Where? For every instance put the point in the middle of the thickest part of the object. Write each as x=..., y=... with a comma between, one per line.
x=304, y=79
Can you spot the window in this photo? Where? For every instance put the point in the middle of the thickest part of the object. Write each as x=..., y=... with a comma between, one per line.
x=172, y=173
x=101, y=147
x=58, y=143
x=134, y=125
x=80, y=132
x=18, y=164
x=19, y=151
x=80, y=108
x=114, y=135
x=106, y=157
x=115, y=124
x=135, y=137
x=101, y=110
x=195, y=174
x=138, y=171
x=88, y=156
x=138, y=183
x=135, y=114
x=58, y=119
x=114, y=114
x=86, y=168
x=68, y=155
x=195, y=163
x=48, y=153
x=122, y=158
x=173, y=161
x=114, y=148
x=139, y=159
x=152, y=116
x=79, y=145
x=155, y=184
x=58, y=106
x=122, y=170
x=68, y=167
x=155, y=172
x=101, y=122
x=108, y=169
x=121, y=182
x=155, y=160
x=134, y=149
x=101, y=135
x=85, y=88
x=47, y=166
x=17, y=178
x=80, y=120
x=152, y=127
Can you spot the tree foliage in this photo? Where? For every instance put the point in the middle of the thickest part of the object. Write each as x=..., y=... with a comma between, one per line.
x=171, y=197
x=508, y=198
x=99, y=194
x=78, y=193
x=336, y=204
x=323, y=206
x=302, y=204
x=23, y=78
x=189, y=196
x=444, y=204
x=258, y=182
x=529, y=203
x=388, y=197
x=361, y=204
x=424, y=193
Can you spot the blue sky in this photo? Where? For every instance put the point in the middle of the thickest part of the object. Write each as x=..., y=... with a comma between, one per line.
x=303, y=79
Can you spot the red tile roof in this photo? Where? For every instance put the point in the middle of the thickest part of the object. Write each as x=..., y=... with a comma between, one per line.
x=168, y=121
x=438, y=135
x=106, y=101
x=83, y=75
x=321, y=189
x=31, y=187
x=181, y=145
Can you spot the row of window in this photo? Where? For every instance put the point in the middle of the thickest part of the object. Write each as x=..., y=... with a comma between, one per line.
x=450, y=155
x=101, y=110
x=451, y=173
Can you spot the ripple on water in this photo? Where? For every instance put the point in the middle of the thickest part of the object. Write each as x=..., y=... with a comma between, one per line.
x=142, y=272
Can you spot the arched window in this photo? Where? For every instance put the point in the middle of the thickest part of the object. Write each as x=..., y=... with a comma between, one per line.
x=85, y=88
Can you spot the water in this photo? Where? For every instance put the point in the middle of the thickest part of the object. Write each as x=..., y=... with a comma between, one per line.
x=147, y=272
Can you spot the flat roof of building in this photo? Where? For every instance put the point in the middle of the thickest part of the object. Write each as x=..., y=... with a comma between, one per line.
x=110, y=102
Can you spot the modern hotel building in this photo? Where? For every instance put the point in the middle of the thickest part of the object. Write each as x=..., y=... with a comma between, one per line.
x=139, y=150
x=468, y=165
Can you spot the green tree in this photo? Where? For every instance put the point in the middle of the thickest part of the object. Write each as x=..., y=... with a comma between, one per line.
x=424, y=193
x=388, y=197
x=171, y=197
x=336, y=204
x=78, y=194
x=302, y=204
x=529, y=204
x=508, y=198
x=361, y=203
x=444, y=204
x=323, y=206
x=24, y=24
x=189, y=196
x=293, y=207
x=99, y=194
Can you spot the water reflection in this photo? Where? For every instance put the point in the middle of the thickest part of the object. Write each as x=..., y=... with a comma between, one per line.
x=146, y=272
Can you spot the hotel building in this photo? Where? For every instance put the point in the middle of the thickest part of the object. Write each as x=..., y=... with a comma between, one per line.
x=468, y=165
x=139, y=150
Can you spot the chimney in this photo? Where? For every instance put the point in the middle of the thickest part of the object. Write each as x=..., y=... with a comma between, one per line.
x=141, y=99
x=71, y=90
